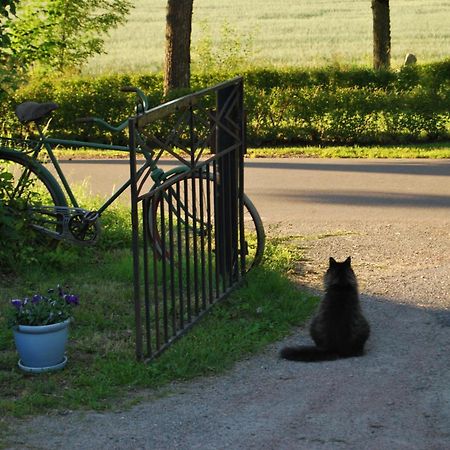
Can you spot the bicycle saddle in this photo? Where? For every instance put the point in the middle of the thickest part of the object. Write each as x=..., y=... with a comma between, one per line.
x=31, y=111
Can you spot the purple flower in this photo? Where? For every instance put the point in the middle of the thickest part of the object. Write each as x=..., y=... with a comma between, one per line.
x=36, y=298
x=16, y=303
x=40, y=309
x=71, y=299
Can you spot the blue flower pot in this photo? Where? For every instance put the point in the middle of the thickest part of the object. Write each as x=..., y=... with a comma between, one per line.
x=42, y=348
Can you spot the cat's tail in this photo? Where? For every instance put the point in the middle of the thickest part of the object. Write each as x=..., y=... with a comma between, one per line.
x=307, y=353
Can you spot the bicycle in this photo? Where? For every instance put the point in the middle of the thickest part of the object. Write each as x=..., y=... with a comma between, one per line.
x=62, y=219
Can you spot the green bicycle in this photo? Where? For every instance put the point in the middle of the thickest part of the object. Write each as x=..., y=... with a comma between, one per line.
x=56, y=213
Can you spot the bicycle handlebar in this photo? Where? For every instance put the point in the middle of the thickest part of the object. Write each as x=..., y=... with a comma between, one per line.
x=143, y=105
x=141, y=96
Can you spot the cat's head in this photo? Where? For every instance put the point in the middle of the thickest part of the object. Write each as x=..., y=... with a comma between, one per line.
x=340, y=273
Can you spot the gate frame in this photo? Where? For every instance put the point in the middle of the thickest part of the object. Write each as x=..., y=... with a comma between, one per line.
x=234, y=170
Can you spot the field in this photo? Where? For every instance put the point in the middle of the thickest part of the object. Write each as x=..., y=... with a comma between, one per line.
x=283, y=33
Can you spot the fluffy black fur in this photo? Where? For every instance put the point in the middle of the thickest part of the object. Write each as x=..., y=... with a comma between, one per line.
x=339, y=328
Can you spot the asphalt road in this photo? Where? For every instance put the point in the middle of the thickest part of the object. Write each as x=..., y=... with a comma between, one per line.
x=300, y=192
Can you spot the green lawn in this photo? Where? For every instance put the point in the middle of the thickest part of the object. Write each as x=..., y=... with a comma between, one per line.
x=284, y=33
x=433, y=150
x=102, y=368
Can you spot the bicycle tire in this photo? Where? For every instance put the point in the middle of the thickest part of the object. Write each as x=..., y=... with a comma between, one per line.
x=27, y=172
x=255, y=251
x=259, y=227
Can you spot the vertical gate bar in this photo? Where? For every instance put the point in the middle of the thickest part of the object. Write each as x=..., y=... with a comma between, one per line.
x=180, y=255
x=188, y=253
x=164, y=267
x=192, y=136
x=172, y=262
x=201, y=177
x=242, y=121
x=195, y=242
x=229, y=223
x=193, y=203
x=223, y=227
x=146, y=277
x=234, y=124
x=135, y=238
x=241, y=235
x=209, y=233
x=216, y=233
x=157, y=327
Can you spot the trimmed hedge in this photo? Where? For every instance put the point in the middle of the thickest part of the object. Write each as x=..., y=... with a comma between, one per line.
x=81, y=97
x=320, y=106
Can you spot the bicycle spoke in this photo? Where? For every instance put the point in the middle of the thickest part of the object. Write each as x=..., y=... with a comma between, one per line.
x=31, y=192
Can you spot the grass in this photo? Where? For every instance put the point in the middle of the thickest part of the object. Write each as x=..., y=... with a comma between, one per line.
x=320, y=33
x=102, y=369
x=429, y=150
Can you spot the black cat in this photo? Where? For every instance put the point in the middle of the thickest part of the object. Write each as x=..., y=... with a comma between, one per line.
x=339, y=328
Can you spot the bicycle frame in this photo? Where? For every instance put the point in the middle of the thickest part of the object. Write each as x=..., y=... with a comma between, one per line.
x=157, y=174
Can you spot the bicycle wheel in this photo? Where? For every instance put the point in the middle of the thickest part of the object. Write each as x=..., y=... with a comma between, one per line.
x=252, y=219
x=29, y=188
x=181, y=218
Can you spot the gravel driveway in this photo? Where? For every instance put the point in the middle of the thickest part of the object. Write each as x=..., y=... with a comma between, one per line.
x=396, y=397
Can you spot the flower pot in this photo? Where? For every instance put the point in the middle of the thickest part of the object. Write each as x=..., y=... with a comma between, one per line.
x=42, y=348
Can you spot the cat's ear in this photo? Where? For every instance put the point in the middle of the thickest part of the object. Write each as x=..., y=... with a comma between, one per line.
x=332, y=261
x=348, y=261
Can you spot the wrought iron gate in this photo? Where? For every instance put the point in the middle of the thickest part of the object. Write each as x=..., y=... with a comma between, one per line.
x=188, y=229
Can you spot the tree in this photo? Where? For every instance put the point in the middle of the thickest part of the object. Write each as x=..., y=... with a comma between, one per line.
x=7, y=9
x=63, y=34
x=8, y=74
x=177, y=66
x=381, y=34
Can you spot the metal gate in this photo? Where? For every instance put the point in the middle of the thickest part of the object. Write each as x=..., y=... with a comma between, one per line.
x=189, y=249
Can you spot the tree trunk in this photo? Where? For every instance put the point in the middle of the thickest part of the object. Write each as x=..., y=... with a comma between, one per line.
x=177, y=70
x=381, y=34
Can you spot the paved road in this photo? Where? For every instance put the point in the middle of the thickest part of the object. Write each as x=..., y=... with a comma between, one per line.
x=298, y=192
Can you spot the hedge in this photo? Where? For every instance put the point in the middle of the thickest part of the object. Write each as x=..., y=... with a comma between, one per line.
x=318, y=106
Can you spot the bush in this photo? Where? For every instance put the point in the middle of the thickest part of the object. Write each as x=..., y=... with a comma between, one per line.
x=81, y=97
x=21, y=247
x=319, y=106
x=13, y=228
